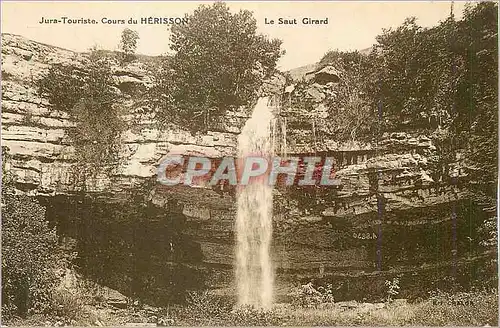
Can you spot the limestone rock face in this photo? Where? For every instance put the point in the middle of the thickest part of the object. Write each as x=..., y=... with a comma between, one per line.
x=36, y=134
x=395, y=211
x=390, y=216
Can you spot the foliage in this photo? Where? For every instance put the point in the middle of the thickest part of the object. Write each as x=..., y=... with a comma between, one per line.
x=346, y=61
x=220, y=62
x=392, y=288
x=71, y=301
x=439, y=297
x=252, y=316
x=66, y=86
x=128, y=45
x=206, y=305
x=309, y=296
x=442, y=80
x=205, y=308
x=444, y=77
x=85, y=92
x=475, y=308
x=350, y=116
x=159, y=98
x=67, y=305
x=63, y=86
x=30, y=257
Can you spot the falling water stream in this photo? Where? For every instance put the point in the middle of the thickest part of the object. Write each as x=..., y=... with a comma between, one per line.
x=254, y=271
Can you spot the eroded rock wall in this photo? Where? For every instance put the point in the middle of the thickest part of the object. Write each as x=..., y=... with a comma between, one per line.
x=391, y=216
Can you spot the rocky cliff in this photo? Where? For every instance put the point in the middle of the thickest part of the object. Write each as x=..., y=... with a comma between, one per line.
x=389, y=217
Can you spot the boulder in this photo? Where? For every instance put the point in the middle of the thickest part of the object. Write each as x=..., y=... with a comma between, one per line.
x=325, y=75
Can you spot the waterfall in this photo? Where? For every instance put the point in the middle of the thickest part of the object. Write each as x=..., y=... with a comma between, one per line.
x=254, y=271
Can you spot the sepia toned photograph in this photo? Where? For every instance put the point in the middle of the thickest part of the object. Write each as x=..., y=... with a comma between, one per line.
x=230, y=163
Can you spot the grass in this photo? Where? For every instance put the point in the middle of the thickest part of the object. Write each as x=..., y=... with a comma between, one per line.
x=476, y=308
x=427, y=313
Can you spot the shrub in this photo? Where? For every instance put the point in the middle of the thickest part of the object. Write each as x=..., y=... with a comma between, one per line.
x=309, y=296
x=203, y=304
x=67, y=305
x=392, y=288
x=62, y=85
x=30, y=257
x=476, y=308
x=87, y=94
x=204, y=308
x=252, y=316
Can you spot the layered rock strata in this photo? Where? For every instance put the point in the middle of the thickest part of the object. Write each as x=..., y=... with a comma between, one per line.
x=391, y=216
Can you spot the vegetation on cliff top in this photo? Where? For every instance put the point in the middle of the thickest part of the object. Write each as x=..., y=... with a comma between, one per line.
x=220, y=62
x=444, y=77
x=128, y=46
x=443, y=80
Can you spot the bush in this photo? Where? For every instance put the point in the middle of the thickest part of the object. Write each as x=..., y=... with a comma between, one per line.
x=30, y=257
x=90, y=81
x=476, y=308
x=252, y=316
x=204, y=308
x=392, y=288
x=87, y=94
x=62, y=85
x=207, y=305
x=67, y=305
x=309, y=296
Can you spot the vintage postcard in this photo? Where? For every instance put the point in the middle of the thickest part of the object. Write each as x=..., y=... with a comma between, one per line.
x=318, y=163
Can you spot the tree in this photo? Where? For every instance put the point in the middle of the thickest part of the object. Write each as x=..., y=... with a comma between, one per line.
x=30, y=253
x=220, y=62
x=128, y=45
x=442, y=80
x=396, y=68
x=85, y=91
x=476, y=115
x=30, y=257
x=445, y=77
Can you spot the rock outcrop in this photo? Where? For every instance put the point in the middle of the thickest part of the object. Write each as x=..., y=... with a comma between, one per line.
x=389, y=217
